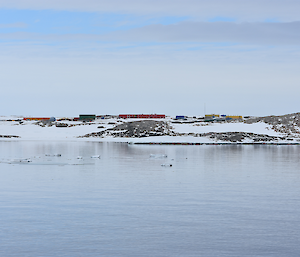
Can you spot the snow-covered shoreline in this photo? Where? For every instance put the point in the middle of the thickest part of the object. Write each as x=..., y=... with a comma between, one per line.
x=102, y=130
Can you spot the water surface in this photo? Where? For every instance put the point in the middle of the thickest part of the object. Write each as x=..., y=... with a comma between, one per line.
x=213, y=200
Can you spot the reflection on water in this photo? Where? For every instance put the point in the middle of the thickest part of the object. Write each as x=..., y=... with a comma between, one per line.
x=212, y=201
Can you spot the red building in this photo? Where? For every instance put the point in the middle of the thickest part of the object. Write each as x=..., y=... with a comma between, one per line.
x=142, y=116
x=36, y=118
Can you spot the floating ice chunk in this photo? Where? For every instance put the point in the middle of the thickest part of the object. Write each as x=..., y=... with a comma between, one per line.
x=24, y=160
x=158, y=156
x=54, y=155
x=166, y=165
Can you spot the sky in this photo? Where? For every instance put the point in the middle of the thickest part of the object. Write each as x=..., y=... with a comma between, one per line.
x=175, y=57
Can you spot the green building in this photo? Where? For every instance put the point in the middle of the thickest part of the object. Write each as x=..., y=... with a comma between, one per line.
x=87, y=117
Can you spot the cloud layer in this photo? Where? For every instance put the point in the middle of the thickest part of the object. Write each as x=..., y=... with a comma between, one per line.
x=247, y=10
x=249, y=33
x=201, y=32
x=13, y=25
x=173, y=57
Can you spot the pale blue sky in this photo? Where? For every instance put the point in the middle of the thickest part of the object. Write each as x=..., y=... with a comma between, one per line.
x=62, y=58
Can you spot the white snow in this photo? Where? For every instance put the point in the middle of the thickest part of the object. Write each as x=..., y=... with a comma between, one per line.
x=28, y=130
x=258, y=128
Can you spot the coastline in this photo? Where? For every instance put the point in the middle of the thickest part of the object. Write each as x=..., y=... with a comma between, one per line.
x=148, y=132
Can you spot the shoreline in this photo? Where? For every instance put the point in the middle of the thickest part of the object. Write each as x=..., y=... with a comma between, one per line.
x=216, y=143
x=136, y=142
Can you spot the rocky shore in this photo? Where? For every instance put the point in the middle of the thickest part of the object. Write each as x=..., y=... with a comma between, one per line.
x=153, y=128
x=288, y=124
x=242, y=136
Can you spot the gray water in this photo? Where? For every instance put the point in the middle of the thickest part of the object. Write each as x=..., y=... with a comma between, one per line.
x=213, y=200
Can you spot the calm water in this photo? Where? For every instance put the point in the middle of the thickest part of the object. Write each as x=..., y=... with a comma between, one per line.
x=213, y=201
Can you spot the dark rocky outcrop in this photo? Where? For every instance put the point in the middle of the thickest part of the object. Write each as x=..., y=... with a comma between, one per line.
x=287, y=124
x=143, y=128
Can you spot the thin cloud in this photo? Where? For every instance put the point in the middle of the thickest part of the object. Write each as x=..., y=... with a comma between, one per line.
x=249, y=33
x=200, y=32
x=13, y=25
x=246, y=10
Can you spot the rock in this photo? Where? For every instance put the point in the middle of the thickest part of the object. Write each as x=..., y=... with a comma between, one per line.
x=136, y=129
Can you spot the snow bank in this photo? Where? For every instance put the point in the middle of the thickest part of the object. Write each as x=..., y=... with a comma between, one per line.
x=257, y=128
